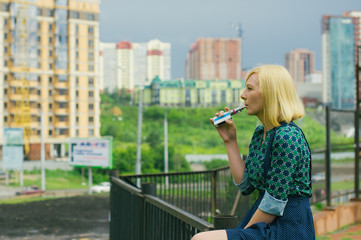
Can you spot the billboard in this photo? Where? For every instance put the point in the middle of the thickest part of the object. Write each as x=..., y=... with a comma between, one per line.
x=91, y=152
x=13, y=153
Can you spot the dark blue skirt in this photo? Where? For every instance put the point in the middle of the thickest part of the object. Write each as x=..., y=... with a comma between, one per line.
x=296, y=223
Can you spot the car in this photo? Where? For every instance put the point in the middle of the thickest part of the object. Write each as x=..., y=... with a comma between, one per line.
x=30, y=191
x=102, y=187
x=318, y=177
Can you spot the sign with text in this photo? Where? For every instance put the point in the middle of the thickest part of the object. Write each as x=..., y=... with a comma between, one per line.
x=13, y=153
x=91, y=152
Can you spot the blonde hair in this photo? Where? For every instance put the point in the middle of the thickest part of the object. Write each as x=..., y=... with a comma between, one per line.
x=280, y=100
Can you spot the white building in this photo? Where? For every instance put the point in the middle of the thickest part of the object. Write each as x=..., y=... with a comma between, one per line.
x=127, y=64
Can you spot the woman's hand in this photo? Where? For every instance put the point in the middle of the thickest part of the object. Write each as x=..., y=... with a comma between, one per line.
x=227, y=131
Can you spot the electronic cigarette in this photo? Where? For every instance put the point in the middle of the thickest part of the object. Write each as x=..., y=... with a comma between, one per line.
x=217, y=121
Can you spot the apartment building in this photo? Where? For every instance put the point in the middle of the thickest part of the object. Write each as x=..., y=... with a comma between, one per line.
x=134, y=64
x=214, y=58
x=50, y=69
x=339, y=42
x=300, y=63
x=192, y=93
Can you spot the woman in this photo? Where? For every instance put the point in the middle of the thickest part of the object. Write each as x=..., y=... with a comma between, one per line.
x=278, y=165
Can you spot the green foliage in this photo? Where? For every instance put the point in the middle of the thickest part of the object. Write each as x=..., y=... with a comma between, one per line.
x=216, y=163
x=189, y=132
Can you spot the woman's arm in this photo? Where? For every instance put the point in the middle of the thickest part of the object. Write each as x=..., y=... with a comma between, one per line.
x=227, y=131
x=260, y=216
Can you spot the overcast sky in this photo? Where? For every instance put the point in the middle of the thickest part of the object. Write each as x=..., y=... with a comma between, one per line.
x=271, y=28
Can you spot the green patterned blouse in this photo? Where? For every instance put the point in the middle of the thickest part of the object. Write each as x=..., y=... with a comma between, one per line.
x=289, y=171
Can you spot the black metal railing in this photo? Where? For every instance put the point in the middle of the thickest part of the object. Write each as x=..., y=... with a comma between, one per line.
x=137, y=216
x=202, y=193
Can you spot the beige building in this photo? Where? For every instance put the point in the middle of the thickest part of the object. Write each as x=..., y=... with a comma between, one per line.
x=300, y=62
x=214, y=58
x=49, y=68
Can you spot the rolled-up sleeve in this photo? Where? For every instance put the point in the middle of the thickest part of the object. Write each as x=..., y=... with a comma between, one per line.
x=272, y=205
x=245, y=187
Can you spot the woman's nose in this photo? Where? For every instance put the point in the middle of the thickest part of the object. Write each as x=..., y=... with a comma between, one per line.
x=243, y=96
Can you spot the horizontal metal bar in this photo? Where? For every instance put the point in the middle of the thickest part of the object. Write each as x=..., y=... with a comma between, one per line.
x=179, y=213
x=174, y=174
x=126, y=186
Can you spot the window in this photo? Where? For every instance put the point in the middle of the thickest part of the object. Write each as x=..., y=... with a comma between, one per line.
x=50, y=132
x=91, y=30
x=91, y=132
x=50, y=106
x=50, y=26
x=90, y=43
x=5, y=119
x=77, y=132
x=76, y=80
x=90, y=67
x=76, y=41
x=38, y=26
x=50, y=66
x=90, y=56
x=77, y=67
x=91, y=94
x=50, y=39
x=5, y=36
x=91, y=119
x=91, y=106
x=50, y=79
x=5, y=105
x=90, y=81
x=91, y=16
x=50, y=53
x=5, y=22
x=77, y=119
x=39, y=52
x=5, y=91
x=76, y=28
x=38, y=39
x=76, y=106
x=50, y=93
x=75, y=14
x=77, y=54
x=5, y=49
x=5, y=63
x=77, y=93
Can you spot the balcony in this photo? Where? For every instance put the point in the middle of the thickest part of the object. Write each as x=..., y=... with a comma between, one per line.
x=61, y=85
x=15, y=97
x=34, y=98
x=61, y=98
x=61, y=111
x=61, y=124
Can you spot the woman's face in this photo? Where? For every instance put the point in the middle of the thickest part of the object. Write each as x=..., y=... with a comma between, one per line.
x=252, y=96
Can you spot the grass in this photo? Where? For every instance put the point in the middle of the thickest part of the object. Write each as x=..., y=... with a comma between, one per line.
x=55, y=179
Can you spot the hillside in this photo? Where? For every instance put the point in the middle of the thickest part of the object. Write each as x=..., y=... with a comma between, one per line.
x=189, y=132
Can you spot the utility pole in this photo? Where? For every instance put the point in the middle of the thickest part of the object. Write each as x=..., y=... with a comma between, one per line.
x=166, y=147
x=42, y=153
x=138, y=167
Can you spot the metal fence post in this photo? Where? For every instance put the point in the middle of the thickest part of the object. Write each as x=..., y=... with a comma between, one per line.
x=214, y=192
x=328, y=157
x=357, y=125
x=149, y=189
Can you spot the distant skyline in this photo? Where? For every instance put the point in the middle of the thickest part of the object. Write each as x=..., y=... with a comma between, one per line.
x=270, y=28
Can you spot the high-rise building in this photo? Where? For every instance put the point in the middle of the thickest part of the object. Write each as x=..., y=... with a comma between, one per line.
x=49, y=67
x=338, y=60
x=214, y=58
x=108, y=66
x=134, y=63
x=300, y=62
